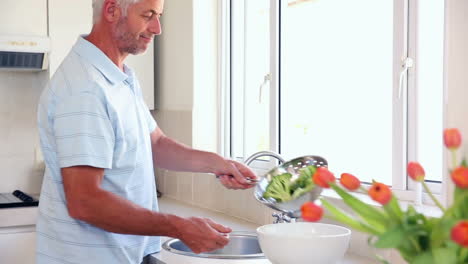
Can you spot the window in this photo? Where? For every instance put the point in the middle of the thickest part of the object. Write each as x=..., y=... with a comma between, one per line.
x=359, y=83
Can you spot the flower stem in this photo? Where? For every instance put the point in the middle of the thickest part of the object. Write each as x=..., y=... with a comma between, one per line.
x=454, y=158
x=433, y=197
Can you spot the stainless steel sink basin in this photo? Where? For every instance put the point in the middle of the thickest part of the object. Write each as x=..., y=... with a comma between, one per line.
x=242, y=245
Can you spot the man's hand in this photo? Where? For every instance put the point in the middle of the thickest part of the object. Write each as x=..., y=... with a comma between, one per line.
x=202, y=234
x=235, y=175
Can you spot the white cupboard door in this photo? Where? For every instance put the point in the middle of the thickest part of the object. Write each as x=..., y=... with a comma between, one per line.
x=18, y=247
x=23, y=17
x=67, y=21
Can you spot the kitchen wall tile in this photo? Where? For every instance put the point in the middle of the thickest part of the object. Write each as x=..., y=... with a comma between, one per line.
x=160, y=179
x=208, y=192
x=20, y=172
x=19, y=97
x=219, y=203
x=254, y=209
x=171, y=185
x=201, y=186
x=236, y=203
x=185, y=187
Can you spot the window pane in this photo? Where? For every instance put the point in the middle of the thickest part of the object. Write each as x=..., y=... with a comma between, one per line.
x=250, y=73
x=430, y=87
x=336, y=84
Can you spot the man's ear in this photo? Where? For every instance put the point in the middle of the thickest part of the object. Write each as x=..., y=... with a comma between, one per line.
x=111, y=11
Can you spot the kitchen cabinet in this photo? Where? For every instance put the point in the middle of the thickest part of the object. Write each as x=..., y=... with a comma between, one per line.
x=18, y=235
x=69, y=19
x=23, y=17
x=18, y=244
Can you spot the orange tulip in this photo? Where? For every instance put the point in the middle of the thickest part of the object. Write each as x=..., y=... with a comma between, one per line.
x=452, y=138
x=322, y=177
x=459, y=233
x=380, y=193
x=311, y=212
x=460, y=177
x=349, y=181
x=416, y=171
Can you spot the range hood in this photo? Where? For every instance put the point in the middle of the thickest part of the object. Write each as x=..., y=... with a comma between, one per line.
x=24, y=53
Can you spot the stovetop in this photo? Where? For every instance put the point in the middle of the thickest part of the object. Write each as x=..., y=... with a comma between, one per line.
x=17, y=199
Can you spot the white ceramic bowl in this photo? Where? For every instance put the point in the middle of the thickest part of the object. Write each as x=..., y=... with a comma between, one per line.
x=303, y=242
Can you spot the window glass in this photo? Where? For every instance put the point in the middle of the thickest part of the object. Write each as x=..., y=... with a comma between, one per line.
x=430, y=87
x=336, y=84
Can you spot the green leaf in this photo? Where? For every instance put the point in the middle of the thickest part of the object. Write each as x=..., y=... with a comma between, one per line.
x=425, y=258
x=348, y=220
x=460, y=193
x=367, y=212
x=391, y=239
x=460, y=207
x=441, y=231
x=393, y=209
x=394, y=206
x=445, y=255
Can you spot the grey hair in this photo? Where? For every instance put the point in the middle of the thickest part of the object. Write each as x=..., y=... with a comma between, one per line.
x=98, y=4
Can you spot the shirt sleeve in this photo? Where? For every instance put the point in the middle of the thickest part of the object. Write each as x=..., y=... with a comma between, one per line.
x=83, y=132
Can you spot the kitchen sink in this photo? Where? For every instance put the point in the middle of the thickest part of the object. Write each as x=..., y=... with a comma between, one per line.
x=242, y=245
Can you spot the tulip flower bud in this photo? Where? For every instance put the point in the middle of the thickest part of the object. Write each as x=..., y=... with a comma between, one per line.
x=322, y=177
x=452, y=138
x=349, y=181
x=311, y=212
x=459, y=233
x=416, y=171
x=380, y=193
x=460, y=177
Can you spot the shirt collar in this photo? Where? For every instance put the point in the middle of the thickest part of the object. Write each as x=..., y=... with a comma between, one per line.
x=99, y=60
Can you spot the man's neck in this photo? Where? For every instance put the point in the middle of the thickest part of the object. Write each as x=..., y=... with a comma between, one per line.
x=102, y=39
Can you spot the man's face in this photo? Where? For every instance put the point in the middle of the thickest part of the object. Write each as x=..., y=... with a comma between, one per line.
x=134, y=32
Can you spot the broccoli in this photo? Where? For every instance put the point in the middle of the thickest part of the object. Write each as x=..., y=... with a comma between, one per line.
x=304, y=183
x=279, y=188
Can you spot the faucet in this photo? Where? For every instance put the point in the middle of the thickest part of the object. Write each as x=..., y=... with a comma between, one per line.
x=283, y=218
x=262, y=154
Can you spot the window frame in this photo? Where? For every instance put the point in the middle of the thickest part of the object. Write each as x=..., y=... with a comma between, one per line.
x=404, y=115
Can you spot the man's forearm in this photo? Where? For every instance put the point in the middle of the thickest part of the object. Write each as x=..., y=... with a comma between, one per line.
x=115, y=214
x=172, y=155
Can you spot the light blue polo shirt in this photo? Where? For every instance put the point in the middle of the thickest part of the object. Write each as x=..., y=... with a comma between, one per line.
x=91, y=113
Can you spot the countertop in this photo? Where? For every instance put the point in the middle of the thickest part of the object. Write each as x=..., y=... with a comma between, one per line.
x=167, y=205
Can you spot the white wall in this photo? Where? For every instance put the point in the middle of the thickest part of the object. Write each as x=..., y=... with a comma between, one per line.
x=456, y=108
x=174, y=57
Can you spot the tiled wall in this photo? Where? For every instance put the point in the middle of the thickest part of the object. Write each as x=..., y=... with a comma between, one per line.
x=200, y=189
x=19, y=94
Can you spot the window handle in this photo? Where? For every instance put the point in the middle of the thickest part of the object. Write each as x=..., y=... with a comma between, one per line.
x=407, y=63
x=266, y=79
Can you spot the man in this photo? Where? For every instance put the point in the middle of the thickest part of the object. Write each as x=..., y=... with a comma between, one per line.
x=98, y=199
